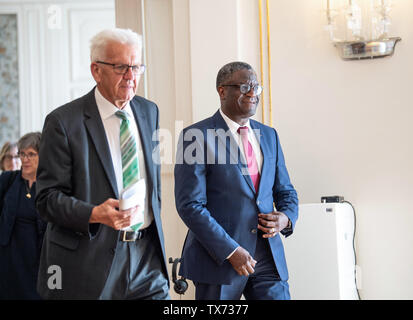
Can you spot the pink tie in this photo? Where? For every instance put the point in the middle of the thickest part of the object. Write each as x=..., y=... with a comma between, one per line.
x=250, y=157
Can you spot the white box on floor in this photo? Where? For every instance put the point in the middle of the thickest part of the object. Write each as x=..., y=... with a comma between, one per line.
x=320, y=255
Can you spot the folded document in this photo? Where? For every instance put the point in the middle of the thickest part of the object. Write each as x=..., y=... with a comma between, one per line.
x=133, y=196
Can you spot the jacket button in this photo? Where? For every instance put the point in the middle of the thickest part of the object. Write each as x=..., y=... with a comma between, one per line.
x=254, y=230
x=258, y=202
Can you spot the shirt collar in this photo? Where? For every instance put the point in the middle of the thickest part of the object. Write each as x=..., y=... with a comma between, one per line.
x=232, y=125
x=108, y=109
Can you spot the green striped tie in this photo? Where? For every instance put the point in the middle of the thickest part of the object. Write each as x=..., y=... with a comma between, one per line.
x=129, y=152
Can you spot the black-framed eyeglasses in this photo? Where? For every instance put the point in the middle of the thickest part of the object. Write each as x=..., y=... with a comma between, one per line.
x=123, y=68
x=245, y=88
x=29, y=155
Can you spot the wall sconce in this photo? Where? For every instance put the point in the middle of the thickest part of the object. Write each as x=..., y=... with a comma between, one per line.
x=359, y=28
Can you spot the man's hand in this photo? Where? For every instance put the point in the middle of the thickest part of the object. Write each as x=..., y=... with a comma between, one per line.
x=272, y=223
x=108, y=213
x=242, y=262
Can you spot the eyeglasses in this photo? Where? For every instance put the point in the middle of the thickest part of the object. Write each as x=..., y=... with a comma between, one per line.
x=11, y=157
x=245, y=88
x=29, y=155
x=123, y=68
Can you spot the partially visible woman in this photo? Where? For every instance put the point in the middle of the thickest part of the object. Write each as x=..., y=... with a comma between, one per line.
x=9, y=159
x=21, y=228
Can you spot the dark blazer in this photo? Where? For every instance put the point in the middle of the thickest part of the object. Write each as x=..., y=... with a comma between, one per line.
x=21, y=235
x=76, y=173
x=219, y=204
x=11, y=198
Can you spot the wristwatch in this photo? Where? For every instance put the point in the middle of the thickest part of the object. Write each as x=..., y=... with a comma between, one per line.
x=289, y=224
x=288, y=229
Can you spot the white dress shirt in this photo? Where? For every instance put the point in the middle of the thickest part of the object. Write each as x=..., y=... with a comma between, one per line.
x=111, y=123
x=233, y=127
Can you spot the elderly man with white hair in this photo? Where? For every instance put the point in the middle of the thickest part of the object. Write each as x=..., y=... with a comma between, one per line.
x=98, y=185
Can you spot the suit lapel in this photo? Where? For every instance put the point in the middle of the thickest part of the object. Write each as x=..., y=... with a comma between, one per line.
x=145, y=133
x=265, y=149
x=97, y=133
x=232, y=148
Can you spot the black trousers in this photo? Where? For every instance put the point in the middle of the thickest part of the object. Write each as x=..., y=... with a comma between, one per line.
x=137, y=272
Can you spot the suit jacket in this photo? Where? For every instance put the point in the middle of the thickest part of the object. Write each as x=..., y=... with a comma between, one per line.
x=218, y=202
x=75, y=174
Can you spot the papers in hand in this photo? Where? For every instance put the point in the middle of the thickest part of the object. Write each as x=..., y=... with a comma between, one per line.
x=133, y=196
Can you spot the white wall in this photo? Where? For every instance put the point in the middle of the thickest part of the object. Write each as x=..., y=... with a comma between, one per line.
x=220, y=32
x=344, y=126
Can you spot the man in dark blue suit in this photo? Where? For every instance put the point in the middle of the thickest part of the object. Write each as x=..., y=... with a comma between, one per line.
x=233, y=191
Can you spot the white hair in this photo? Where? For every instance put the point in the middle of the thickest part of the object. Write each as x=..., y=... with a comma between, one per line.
x=124, y=36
